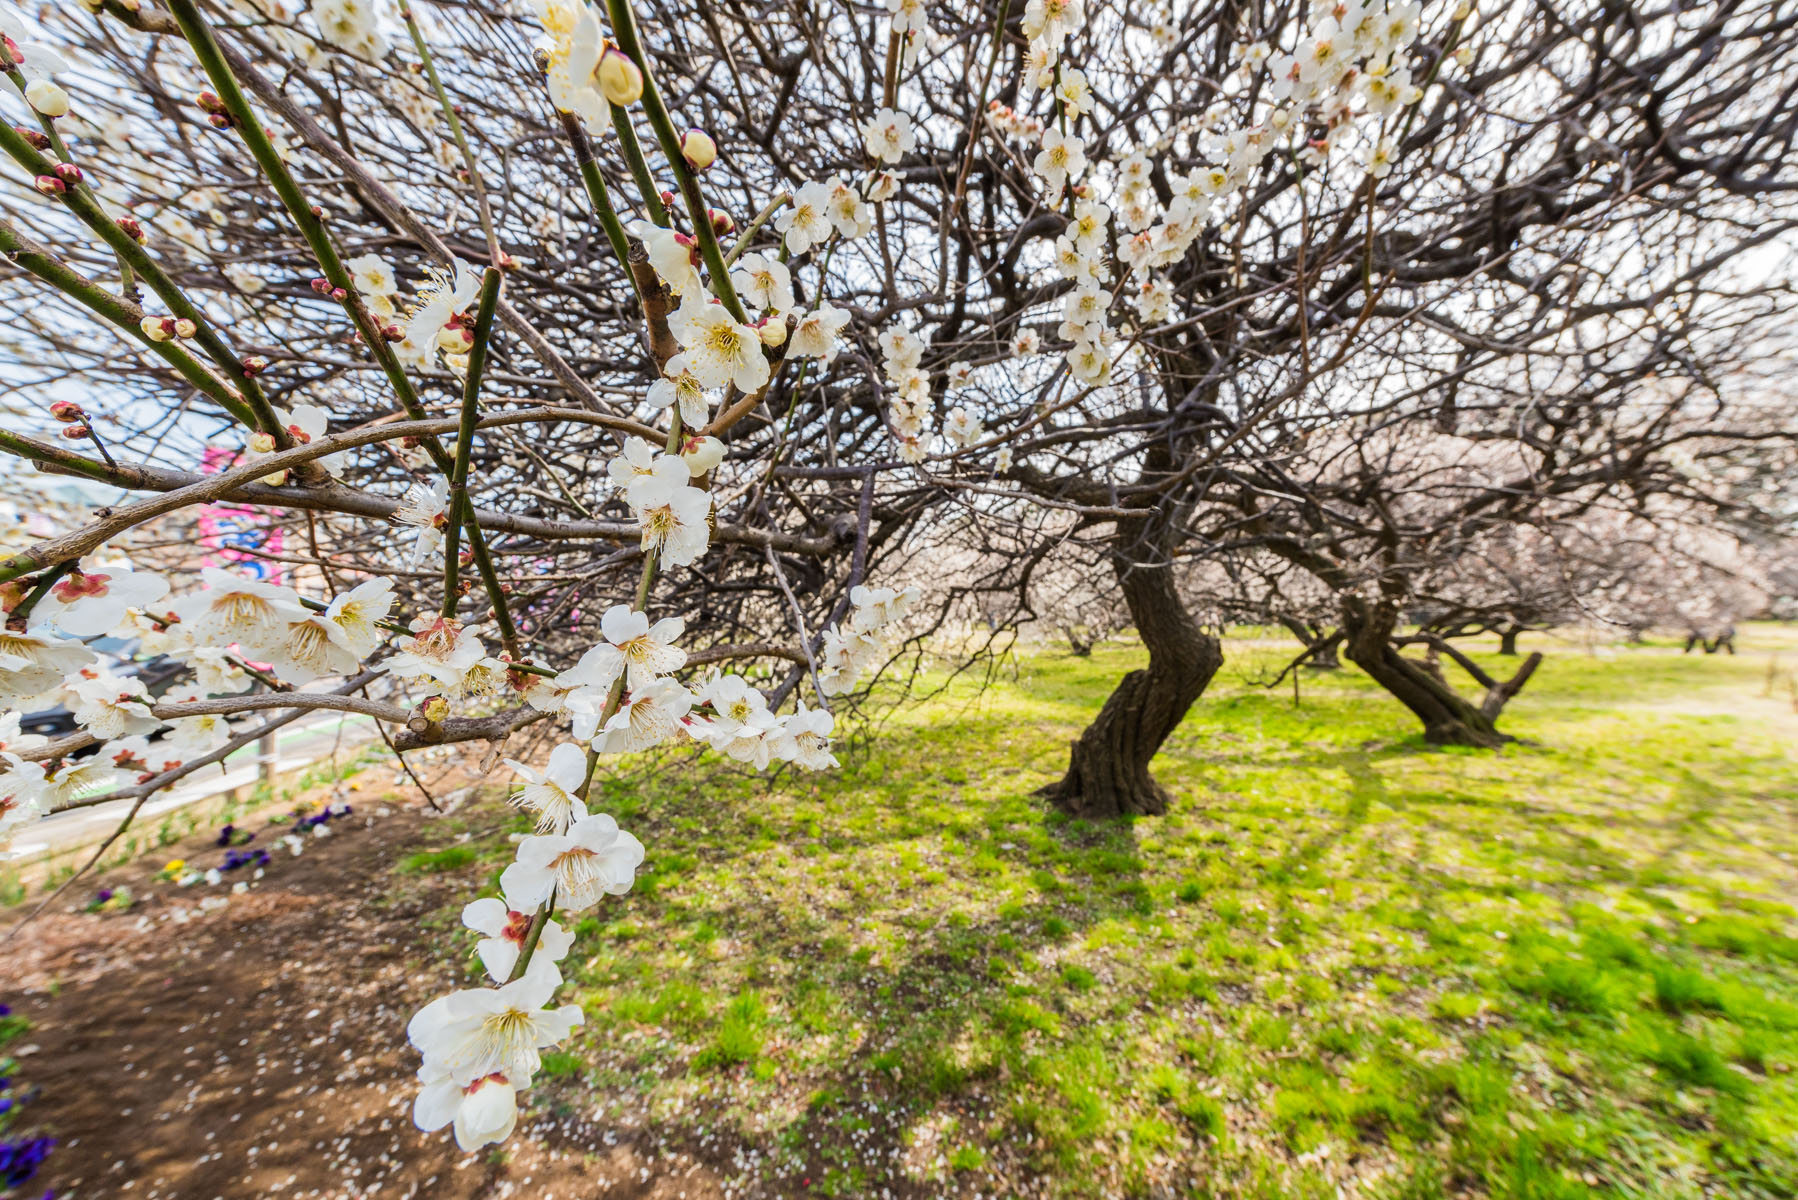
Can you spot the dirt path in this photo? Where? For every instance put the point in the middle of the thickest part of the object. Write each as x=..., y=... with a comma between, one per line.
x=258, y=1050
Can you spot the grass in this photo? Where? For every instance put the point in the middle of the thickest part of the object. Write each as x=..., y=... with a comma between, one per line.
x=1567, y=969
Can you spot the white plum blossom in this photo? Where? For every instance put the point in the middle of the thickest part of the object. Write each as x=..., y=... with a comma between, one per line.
x=471, y=1034
x=31, y=664
x=480, y=1112
x=110, y=706
x=443, y=296
x=353, y=619
x=804, y=739
x=425, y=508
x=850, y=214
x=806, y=222
x=593, y=859
x=888, y=135
x=763, y=282
x=552, y=792
x=818, y=334
x=90, y=603
x=214, y=672
x=648, y=716
x=506, y=928
x=675, y=257
x=234, y=609
x=719, y=349
x=439, y=657
x=680, y=387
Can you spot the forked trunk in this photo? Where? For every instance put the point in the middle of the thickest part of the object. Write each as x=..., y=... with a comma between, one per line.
x=1108, y=768
x=1448, y=719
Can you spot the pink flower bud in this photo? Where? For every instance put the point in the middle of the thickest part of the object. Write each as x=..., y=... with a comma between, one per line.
x=394, y=333
x=667, y=198
x=50, y=185
x=322, y=286
x=75, y=433
x=69, y=173
x=38, y=139
x=219, y=121
x=209, y=103
x=620, y=80
x=339, y=294
x=254, y=366
x=66, y=410
x=132, y=229
x=722, y=222
x=698, y=148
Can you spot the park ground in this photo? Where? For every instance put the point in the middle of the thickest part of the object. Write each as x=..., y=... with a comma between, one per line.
x=1343, y=964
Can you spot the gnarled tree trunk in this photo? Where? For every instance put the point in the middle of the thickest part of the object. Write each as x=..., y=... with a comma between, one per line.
x=1108, y=768
x=1448, y=719
x=1507, y=640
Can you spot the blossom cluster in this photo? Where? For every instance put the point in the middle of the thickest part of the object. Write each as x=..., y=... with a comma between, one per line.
x=864, y=641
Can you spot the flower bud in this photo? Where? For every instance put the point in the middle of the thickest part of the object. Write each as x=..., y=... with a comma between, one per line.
x=507, y=262
x=45, y=96
x=667, y=198
x=69, y=173
x=50, y=185
x=339, y=294
x=394, y=333
x=66, y=410
x=219, y=121
x=75, y=433
x=698, y=148
x=132, y=229
x=209, y=103
x=620, y=80
x=434, y=709
x=722, y=222
x=38, y=139
x=701, y=454
x=322, y=286
x=772, y=329
x=185, y=328
x=262, y=443
x=452, y=340
x=157, y=329
x=254, y=366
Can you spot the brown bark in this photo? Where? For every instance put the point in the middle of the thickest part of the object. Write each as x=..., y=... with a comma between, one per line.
x=1108, y=767
x=1507, y=640
x=1448, y=719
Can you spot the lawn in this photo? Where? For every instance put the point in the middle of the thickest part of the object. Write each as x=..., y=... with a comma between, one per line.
x=1342, y=960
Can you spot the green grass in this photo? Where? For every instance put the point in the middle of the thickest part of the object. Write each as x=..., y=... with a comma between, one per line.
x=1564, y=969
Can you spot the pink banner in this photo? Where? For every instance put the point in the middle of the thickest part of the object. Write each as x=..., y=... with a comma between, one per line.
x=233, y=532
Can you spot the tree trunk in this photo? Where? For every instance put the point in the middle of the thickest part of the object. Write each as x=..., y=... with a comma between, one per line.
x=1507, y=641
x=1448, y=719
x=1108, y=767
